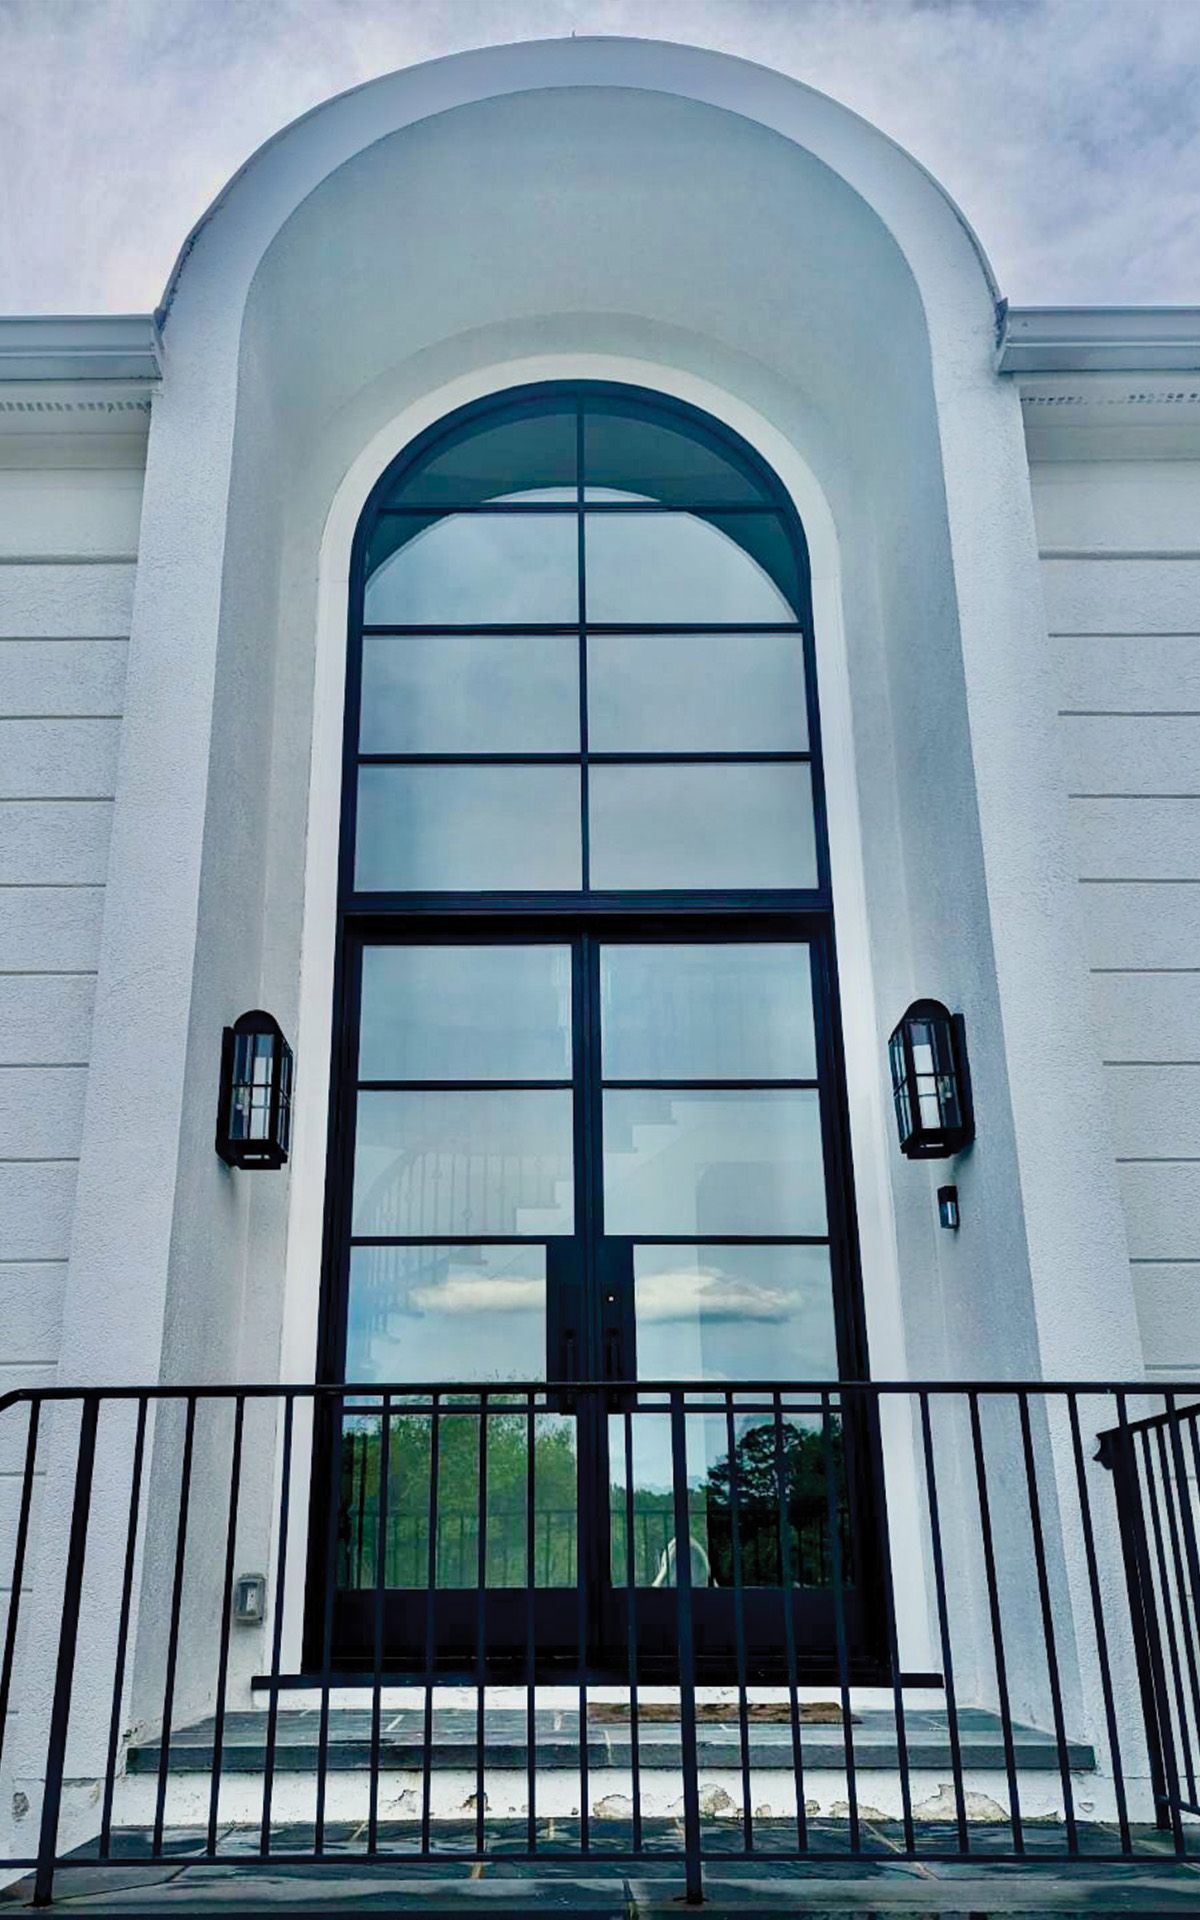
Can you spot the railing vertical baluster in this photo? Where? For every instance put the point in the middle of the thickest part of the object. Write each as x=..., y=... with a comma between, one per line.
x=635, y=1739
x=385, y=1454
x=338, y=1429
x=20, y=1547
x=285, y=1494
x=430, y=1620
x=359, y=1447
x=789, y=1624
x=1047, y=1612
x=531, y=1621
x=164, y=1746
x=1147, y=1636
x=1106, y=1686
x=235, y=1477
x=481, y=1630
x=943, y=1613
x=122, y=1649
x=993, y=1594
x=839, y=1611
x=693, y=1867
x=1168, y=1613
x=584, y=1424
x=739, y=1625
x=68, y=1637
x=1176, y=1494
x=889, y=1611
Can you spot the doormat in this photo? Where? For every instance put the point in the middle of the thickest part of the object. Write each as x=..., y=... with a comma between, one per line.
x=810, y=1713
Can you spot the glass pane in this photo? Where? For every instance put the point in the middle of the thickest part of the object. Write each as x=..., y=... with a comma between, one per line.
x=696, y=693
x=464, y=569
x=679, y=569
x=467, y=829
x=733, y=1011
x=717, y=827
x=422, y=1314
x=712, y=1163
x=531, y=449
x=637, y=454
x=798, y=1456
x=468, y=693
x=404, y=1538
x=430, y=1165
x=734, y=1313
x=465, y=1013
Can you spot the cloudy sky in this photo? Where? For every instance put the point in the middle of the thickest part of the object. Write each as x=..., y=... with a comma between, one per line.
x=1067, y=130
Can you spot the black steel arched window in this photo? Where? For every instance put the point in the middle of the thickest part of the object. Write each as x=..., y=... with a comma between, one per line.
x=584, y=662
x=588, y=1116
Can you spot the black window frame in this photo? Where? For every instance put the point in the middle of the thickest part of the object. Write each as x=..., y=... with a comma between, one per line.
x=802, y=914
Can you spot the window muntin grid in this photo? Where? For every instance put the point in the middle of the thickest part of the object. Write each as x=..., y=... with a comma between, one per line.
x=508, y=742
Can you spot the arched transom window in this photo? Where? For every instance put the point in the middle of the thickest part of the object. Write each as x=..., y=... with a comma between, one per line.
x=583, y=661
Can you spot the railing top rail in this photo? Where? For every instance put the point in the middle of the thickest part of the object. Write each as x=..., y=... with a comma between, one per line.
x=492, y=1391
x=1152, y=1422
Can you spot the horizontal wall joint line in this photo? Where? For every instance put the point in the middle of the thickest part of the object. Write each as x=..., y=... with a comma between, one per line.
x=1119, y=553
x=1122, y=633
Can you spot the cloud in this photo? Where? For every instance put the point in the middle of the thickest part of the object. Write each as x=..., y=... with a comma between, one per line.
x=479, y=1293
x=1067, y=130
x=690, y=1292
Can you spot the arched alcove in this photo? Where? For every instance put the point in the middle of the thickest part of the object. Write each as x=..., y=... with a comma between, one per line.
x=561, y=208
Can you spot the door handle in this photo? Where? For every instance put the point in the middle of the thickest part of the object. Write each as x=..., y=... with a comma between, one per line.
x=568, y=1356
x=612, y=1354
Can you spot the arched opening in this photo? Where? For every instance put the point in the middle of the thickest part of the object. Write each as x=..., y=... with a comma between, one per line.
x=588, y=1114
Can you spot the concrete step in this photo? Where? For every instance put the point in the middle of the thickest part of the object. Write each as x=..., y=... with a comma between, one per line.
x=609, y=1743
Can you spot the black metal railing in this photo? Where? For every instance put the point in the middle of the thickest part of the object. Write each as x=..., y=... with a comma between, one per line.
x=1156, y=1466
x=598, y=1623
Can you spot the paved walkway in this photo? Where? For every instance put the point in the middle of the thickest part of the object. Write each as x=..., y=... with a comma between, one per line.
x=505, y=1889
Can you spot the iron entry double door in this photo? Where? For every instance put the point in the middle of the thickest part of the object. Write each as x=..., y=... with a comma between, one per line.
x=610, y=1162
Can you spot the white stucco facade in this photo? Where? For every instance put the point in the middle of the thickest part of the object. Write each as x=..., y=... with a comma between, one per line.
x=1006, y=574
x=393, y=255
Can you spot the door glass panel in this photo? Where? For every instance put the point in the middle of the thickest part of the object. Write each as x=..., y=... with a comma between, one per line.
x=796, y=1454
x=696, y=693
x=509, y=1554
x=464, y=569
x=470, y=693
x=734, y=1313
x=712, y=1163
x=465, y=1013
x=681, y=569
x=431, y=1165
x=421, y=1314
x=702, y=827
x=467, y=829
x=728, y=1011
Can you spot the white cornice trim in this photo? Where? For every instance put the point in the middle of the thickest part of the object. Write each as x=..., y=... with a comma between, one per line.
x=79, y=346
x=1032, y=340
x=1099, y=340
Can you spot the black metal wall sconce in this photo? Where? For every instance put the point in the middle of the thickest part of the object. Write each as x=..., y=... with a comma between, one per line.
x=254, y=1114
x=930, y=1083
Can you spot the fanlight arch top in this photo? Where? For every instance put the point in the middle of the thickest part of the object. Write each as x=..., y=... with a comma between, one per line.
x=234, y=232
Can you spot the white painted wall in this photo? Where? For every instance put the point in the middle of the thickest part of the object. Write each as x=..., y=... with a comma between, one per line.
x=1120, y=545
x=70, y=505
